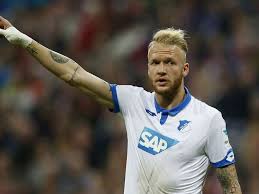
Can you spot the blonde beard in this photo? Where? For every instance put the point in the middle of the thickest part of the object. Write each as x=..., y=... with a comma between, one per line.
x=172, y=91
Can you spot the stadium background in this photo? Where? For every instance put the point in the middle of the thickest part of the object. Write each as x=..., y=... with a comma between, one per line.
x=55, y=140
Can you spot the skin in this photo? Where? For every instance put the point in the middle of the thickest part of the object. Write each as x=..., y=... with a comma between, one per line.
x=227, y=177
x=167, y=69
x=4, y=24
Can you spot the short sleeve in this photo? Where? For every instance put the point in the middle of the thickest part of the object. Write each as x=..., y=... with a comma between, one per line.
x=124, y=96
x=218, y=148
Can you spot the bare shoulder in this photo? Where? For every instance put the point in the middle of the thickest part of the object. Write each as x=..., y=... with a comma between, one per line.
x=228, y=179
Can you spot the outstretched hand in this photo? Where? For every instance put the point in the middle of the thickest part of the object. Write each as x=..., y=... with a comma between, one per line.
x=13, y=35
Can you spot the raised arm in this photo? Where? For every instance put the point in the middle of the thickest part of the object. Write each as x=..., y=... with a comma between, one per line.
x=62, y=66
x=228, y=179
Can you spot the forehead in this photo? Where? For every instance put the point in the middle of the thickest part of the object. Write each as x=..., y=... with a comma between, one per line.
x=158, y=50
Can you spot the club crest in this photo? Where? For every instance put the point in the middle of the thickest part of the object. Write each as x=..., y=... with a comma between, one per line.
x=183, y=124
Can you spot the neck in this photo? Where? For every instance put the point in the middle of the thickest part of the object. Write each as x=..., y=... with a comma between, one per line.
x=170, y=101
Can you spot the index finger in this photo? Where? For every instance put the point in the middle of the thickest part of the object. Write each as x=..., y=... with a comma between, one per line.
x=4, y=23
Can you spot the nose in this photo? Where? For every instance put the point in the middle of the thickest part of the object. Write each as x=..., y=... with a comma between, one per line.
x=161, y=68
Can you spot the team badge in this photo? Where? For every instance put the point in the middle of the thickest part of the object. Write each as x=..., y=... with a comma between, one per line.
x=183, y=124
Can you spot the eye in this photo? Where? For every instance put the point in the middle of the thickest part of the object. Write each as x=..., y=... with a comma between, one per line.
x=154, y=62
x=169, y=62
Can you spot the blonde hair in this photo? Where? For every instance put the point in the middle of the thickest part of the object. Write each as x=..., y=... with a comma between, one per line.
x=170, y=36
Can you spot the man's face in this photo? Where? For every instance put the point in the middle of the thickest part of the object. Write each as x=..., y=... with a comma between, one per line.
x=166, y=68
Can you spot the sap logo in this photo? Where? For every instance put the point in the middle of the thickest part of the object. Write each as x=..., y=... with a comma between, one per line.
x=230, y=157
x=150, y=113
x=183, y=124
x=153, y=142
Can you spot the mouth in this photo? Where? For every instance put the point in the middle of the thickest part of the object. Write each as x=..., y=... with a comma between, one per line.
x=161, y=81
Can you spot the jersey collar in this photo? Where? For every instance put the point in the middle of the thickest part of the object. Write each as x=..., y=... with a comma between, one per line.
x=174, y=111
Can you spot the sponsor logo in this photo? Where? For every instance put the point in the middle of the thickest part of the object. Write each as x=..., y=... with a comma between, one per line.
x=230, y=157
x=154, y=142
x=183, y=124
x=150, y=113
x=225, y=131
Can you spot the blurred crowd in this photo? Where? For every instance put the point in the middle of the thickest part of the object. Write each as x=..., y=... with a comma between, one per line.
x=55, y=140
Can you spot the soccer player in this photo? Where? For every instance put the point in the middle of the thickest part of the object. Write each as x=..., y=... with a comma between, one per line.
x=172, y=136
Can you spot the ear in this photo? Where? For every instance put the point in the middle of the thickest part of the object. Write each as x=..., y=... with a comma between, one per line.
x=185, y=69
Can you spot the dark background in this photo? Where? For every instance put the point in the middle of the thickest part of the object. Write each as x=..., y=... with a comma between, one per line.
x=55, y=140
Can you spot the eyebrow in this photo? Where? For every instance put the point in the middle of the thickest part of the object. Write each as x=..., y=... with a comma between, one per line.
x=169, y=59
x=166, y=59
